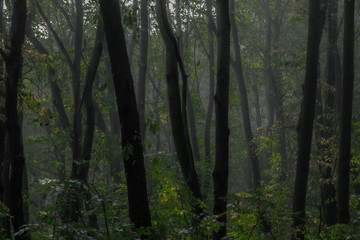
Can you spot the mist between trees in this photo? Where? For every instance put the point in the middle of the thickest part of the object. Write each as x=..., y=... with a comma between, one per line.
x=170, y=119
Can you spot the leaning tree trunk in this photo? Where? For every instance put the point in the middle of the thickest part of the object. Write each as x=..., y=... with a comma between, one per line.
x=346, y=114
x=221, y=170
x=189, y=100
x=82, y=174
x=129, y=117
x=177, y=108
x=237, y=66
x=15, y=150
x=305, y=128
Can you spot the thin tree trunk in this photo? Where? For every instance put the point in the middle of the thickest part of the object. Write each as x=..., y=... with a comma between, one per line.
x=76, y=79
x=305, y=128
x=90, y=119
x=328, y=131
x=210, y=109
x=346, y=114
x=144, y=39
x=237, y=66
x=129, y=117
x=177, y=108
x=270, y=88
x=257, y=103
x=191, y=115
x=2, y=118
x=221, y=170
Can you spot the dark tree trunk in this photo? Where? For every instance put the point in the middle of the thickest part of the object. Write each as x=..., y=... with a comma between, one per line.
x=192, y=124
x=90, y=118
x=2, y=117
x=270, y=87
x=144, y=39
x=346, y=114
x=89, y=103
x=221, y=170
x=306, y=120
x=191, y=115
x=76, y=79
x=257, y=103
x=210, y=109
x=328, y=130
x=129, y=117
x=237, y=66
x=177, y=108
x=15, y=150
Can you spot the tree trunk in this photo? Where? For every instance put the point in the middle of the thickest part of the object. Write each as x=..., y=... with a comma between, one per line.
x=15, y=150
x=257, y=102
x=237, y=66
x=90, y=119
x=129, y=117
x=328, y=130
x=177, y=108
x=76, y=79
x=221, y=170
x=210, y=109
x=306, y=120
x=191, y=115
x=2, y=118
x=144, y=39
x=346, y=114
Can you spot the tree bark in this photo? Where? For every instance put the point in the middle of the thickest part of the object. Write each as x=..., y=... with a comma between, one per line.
x=2, y=118
x=177, y=108
x=15, y=150
x=144, y=39
x=346, y=114
x=129, y=117
x=329, y=123
x=306, y=120
x=76, y=79
x=237, y=66
x=90, y=118
x=221, y=170
x=210, y=108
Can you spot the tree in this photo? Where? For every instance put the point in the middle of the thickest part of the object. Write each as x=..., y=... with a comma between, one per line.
x=346, y=114
x=177, y=105
x=14, y=142
x=306, y=119
x=328, y=129
x=209, y=113
x=221, y=170
x=144, y=39
x=2, y=118
x=238, y=68
x=129, y=117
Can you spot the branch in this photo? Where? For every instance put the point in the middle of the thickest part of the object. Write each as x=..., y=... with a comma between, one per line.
x=56, y=36
x=65, y=14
